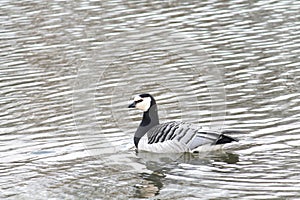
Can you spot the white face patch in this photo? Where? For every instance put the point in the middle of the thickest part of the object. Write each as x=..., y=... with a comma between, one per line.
x=142, y=103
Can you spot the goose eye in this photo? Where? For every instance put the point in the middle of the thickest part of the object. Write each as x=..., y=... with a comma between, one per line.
x=138, y=101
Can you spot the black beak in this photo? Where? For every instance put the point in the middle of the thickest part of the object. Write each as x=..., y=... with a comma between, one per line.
x=132, y=105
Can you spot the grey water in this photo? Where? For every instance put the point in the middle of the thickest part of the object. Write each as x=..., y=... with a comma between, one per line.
x=68, y=70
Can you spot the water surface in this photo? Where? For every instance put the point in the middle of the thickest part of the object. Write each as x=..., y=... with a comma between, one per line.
x=69, y=70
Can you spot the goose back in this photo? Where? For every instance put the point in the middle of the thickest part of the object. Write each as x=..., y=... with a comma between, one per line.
x=178, y=137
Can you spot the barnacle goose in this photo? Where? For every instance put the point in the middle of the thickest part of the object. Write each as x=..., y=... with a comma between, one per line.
x=170, y=137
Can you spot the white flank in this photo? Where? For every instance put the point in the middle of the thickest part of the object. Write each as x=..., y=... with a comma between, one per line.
x=169, y=146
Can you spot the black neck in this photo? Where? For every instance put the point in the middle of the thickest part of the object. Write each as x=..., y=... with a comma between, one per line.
x=150, y=119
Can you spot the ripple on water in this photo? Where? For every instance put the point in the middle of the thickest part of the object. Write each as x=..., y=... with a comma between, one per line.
x=69, y=70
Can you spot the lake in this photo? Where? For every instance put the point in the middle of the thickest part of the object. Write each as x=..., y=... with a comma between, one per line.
x=69, y=69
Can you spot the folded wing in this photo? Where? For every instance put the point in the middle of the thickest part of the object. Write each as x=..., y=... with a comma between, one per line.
x=182, y=136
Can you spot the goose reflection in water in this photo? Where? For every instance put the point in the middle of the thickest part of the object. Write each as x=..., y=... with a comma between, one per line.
x=163, y=166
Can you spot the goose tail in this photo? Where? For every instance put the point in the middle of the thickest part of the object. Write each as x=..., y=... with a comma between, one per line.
x=223, y=139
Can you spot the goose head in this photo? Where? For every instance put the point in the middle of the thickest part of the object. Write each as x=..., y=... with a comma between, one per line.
x=146, y=103
x=143, y=102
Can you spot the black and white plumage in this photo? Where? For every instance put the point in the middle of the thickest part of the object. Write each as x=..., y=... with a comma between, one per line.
x=170, y=137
